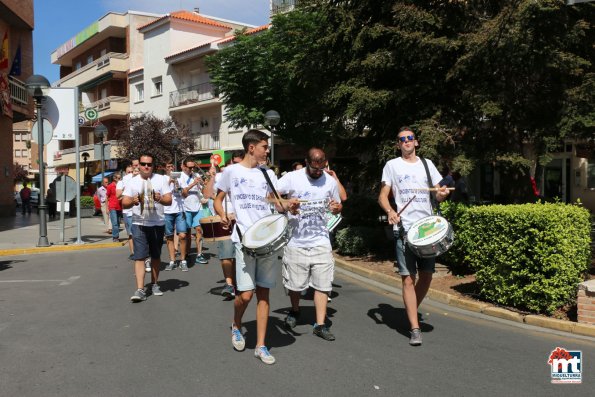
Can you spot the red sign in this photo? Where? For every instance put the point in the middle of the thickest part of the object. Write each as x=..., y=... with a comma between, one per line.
x=216, y=159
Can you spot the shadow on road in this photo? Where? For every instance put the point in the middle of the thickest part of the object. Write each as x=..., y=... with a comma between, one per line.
x=5, y=265
x=172, y=284
x=277, y=335
x=395, y=318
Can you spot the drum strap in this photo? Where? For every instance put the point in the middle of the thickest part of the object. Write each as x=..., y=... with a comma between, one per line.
x=270, y=183
x=434, y=204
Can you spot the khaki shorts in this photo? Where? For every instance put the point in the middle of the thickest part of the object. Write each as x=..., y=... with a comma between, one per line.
x=308, y=267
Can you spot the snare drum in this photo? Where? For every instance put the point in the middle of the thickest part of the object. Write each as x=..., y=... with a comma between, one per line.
x=266, y=236
x=430, y=236
x=212, y=228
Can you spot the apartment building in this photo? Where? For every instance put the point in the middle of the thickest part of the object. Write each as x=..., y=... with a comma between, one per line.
x=174, y=80
x=16, y=65
x=97, y=61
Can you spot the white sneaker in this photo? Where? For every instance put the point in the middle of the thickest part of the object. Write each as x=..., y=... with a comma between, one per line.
x=148, y=265
x=237, y=339
x=263, y=353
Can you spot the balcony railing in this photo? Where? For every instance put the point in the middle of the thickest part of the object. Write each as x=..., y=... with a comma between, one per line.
x=18, y=91
x=281, y=6
x=208, y=141
x=196, y=93
x=98, y=64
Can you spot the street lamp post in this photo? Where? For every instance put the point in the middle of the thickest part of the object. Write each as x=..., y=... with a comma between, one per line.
x=101, y=132
x=175, y=143
x=38, y=87
x=271, y=120
x=85, y=156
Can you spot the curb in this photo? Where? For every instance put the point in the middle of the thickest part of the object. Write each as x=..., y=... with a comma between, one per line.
x=477, y=307
x=57, y=248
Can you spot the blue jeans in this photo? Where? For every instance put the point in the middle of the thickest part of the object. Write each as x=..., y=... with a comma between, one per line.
x=114, y=217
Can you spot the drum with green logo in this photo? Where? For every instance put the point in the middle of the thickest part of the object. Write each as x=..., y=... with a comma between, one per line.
x=430, y=236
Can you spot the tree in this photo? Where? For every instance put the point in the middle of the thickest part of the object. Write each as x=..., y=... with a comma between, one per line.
x=149, y=134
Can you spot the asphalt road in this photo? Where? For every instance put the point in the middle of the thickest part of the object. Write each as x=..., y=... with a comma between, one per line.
x=67, y=328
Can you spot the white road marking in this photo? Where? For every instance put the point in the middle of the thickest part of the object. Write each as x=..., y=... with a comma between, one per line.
x=69, y=281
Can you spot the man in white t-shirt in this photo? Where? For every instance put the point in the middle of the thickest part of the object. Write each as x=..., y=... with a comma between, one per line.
x=175, y=221
x=308, y=258
x=225, y=248
x=245, y=183
x=406, y=177
x=131, y=172
x=194, y=206
x=146, y=194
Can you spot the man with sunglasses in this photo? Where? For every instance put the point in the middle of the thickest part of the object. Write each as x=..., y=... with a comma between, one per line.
x=308, y=258
x=406, y=177
x=147, y=194
x=192, y=186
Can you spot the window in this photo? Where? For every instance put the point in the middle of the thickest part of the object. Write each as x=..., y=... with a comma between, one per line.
x=157, y=86
x=78, y=65
x=23, y=152
x=591, y=174
x=17, y=153
x=17, y=137
x=89, y=59
x=103, y=52
x=140, y=92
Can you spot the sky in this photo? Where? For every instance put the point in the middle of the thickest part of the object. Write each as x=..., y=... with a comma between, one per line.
x=56, y=21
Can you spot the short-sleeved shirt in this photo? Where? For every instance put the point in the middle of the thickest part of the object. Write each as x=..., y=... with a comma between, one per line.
x=407, y=180
x=177, y=201
x=149, y=212
x=102, y=194
x=248, y=190
x=192, y=200
x=122, y=186
x=310, y=225
x=112, y=200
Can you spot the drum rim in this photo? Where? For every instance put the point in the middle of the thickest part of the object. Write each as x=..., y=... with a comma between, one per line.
x=433, y=239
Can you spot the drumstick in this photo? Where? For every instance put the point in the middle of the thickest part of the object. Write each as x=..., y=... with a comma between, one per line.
x=282, y=200
x=433, y=189
x=406, y=204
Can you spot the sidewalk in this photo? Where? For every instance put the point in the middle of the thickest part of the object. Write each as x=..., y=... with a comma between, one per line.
x=20, y=234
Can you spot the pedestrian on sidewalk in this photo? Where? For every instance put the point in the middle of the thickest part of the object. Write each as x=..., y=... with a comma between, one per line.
x=146, y=194
x=308, y=258
x=25, y=194
x=248, y=189
x=406, y=176
x=115, y=206
x=102, y=195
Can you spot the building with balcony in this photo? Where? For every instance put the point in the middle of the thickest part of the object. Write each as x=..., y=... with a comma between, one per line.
x=16, y=65
x=174, y=81
x=97, y=61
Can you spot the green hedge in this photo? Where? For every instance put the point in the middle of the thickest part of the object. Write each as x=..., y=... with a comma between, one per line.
x=87, y=202
x=529, y=256
x=360, y=240
x=454, y=258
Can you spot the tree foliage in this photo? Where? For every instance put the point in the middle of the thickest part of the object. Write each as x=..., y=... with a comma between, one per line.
x=19, y=173
x=149, y=134
x=480, y=81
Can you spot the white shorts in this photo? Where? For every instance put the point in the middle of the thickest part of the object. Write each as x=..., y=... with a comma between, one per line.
x=303, y=267
x=252, y=272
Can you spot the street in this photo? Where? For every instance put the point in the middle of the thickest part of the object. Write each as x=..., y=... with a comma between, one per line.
x=68, y=328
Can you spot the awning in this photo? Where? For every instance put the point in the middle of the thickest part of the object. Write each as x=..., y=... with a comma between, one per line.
x=97, y=178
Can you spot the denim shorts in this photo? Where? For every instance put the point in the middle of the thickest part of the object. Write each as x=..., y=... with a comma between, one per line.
x=409, y=263
x=175, y=222
x=128, y=224
x=226, y=249
x=148, y=241
x=193, y=219
x=252, y=272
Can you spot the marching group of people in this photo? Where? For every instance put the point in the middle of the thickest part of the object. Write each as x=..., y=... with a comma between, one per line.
x=171, y=206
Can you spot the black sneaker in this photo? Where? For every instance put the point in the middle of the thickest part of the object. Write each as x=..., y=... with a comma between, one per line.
x=291, y=319
x=323, y=331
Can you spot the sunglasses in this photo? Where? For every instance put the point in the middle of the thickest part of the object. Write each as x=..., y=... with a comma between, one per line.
x=315, y=168
x=146, y=164
x=406, y=138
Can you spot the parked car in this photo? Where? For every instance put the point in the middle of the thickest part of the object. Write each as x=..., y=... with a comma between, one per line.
x=34, y=196
x=17, y=199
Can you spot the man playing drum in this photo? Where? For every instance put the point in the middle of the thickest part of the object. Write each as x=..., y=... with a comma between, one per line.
x=308, y=258
x=406, y=177
x=248, y=189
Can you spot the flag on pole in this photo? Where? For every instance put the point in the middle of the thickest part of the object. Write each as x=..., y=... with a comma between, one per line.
x=15, y=69
x=4, y=52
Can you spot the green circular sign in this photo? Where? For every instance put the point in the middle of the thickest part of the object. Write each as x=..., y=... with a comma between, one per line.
x=91, y=114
